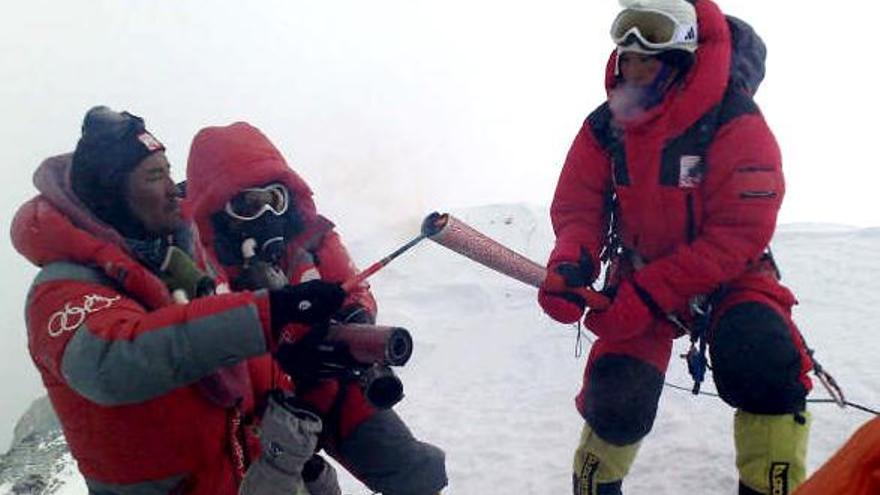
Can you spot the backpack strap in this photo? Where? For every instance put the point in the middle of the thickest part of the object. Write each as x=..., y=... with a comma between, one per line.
x=610, y=139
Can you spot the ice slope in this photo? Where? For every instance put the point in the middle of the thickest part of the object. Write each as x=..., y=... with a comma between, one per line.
x=492, y=380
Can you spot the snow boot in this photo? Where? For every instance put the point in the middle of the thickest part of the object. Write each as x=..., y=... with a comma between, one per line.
x=599, y=467
x=771, y=451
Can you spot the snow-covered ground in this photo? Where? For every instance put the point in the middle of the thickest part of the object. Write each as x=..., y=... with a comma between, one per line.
x=492, y=379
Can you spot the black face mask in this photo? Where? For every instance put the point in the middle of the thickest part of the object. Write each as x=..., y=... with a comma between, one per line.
x=266, y=237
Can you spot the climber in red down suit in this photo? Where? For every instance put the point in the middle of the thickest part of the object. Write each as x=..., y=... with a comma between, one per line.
x=676, y=180
x=251, y=208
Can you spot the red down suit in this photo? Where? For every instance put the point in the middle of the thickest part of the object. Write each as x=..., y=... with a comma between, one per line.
x=225, y=160
x=374, y=445
x=696, y=183
x=152, y=396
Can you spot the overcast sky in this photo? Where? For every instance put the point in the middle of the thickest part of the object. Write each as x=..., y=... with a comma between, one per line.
x=391, y=109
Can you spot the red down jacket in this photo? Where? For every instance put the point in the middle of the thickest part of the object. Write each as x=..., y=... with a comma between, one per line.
x=699, y=214
x=225, y=160
x=698, y=183
x=153, y=397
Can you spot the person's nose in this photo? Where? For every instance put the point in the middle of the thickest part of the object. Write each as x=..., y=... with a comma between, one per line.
x=170, y=188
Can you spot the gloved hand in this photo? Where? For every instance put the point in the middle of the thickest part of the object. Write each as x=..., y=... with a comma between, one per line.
x=577, y=271
x=300, y=357
x=628, y=316
x=354, y=313
x=312, y=302
x=288, y=437
x=259, y=274
x=564, y=307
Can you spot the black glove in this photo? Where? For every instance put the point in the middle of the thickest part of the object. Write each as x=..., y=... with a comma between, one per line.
x=312, y=303
x=303, y=359
x=579, y=274
x=355, y=313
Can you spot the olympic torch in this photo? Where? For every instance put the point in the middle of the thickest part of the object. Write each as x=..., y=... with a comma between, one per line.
x=454, y=234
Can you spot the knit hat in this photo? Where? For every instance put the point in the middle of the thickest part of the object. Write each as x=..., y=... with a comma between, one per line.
x=111, y=146
x=655, y=26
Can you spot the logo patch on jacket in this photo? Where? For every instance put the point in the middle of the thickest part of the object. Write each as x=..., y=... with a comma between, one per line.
x=70, y=317
x=690, y=171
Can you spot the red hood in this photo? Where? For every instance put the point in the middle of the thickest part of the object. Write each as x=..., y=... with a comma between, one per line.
x=225, y=160
x=55, y=226
x=705, y=83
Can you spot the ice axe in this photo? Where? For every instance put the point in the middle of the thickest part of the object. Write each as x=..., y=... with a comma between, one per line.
x=452, y=233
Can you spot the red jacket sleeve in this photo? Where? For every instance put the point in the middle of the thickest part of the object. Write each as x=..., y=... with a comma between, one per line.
x=336, y=265
x=111, y=350
x=578, y=211
x=741, y=196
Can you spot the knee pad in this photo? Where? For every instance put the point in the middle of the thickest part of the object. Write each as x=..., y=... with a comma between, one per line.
x=621, y=396
x=756, y=361
x=599, y=467
x=771, y=451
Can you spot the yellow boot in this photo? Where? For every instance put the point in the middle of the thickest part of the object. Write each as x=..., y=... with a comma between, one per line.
x=771, y=451
x=599, y=467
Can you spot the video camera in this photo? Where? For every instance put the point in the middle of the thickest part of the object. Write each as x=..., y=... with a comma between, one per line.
x=354, y=351
x=366, y=353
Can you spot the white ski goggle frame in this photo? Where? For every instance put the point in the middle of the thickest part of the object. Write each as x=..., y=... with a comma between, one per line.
x=654, y=29
x=251, y=203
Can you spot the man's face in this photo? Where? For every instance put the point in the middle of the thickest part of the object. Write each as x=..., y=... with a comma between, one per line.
x=638, y=69
x=152, y=197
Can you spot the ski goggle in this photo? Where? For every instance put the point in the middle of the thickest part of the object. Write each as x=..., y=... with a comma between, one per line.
x=251, y=203
x=653, y=29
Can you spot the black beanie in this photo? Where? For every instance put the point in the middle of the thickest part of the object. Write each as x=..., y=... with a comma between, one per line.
x=111, y=146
